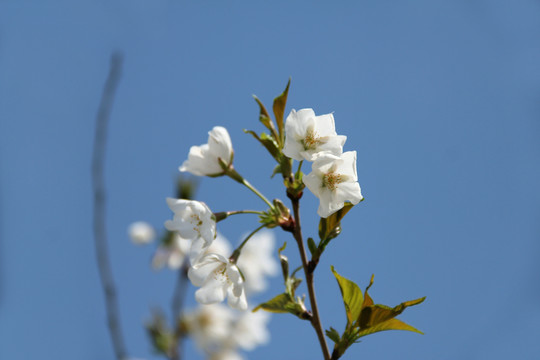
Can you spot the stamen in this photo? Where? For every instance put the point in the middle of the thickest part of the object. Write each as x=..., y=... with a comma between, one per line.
x=331, y=180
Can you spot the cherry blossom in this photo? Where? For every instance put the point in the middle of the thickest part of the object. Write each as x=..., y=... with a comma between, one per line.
x=204, y=160
x=307, y=135
x=333, y=180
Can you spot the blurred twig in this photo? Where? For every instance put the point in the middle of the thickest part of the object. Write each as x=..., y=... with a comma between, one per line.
x=176, y=307
x=98, y=184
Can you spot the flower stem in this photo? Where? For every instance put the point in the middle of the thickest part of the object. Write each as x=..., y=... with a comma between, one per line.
x=299, y=167
x=236, y=253
x=225, y=214
x=315, y=320
x=233, y=174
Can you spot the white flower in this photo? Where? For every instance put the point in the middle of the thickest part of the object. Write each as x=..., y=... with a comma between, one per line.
x=192, y=219
x=203, y=160
x=333, y=180
x=220, y=246
x=307, y=135
x=172, y=254
x=209, y=326
x=218, y=279
x=250, y=330
x=141, y=233
x=257, y=261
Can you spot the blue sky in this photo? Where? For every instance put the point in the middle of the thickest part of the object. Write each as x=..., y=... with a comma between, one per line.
x=438, y=98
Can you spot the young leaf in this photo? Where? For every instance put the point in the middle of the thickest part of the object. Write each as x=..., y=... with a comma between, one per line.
x=279, y=111
x=264, y=117
x=392, y=324
x=352, y=297
x=284, y=303
x=268, y=142
x=329, y=225
x=276, y=305
x=333, y=335
x=311, y=246
x=284, y=262
x=376, y=314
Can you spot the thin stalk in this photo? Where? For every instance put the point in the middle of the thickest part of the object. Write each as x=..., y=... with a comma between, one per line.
x=233, y=174
x=99, y=217
x=315, y=320
x=252, y=188
x=176, y=307
x=236, y=253
x=299, y=167
x=236, y=212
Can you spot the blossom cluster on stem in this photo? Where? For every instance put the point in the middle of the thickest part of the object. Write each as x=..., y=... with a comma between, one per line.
x=333, y=178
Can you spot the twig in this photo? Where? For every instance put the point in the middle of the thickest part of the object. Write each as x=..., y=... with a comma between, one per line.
x=315, y=320
x=176, y=307
x=98, y=185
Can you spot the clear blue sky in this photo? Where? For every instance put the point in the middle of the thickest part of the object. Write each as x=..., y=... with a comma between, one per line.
x=439, y=98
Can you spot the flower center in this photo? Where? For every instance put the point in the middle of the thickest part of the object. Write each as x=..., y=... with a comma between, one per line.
x=311, y=140
x=331, y=180
x=221, y=274
x=196, y=222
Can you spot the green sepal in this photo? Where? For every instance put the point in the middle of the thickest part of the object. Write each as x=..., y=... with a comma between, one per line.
x=279, y=111
x=352, y=297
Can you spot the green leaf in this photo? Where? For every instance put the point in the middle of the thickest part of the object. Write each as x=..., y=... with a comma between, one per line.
x=268, y=142
x=275, y=305
x=311, y=246
x=283, y=303
x=352, y=297
x=376, y=317
x=265, y=119
x=333, y=335
x=277, y=170
x=329, y=227
x=279, y=110
x=376, y=314
x=284, y=263
x=392, y=324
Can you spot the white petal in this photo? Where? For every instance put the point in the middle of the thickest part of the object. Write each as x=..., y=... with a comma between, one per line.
x=324, y=125
x=197, y=250
x=313, y=183
x=212, y=291
x=220, y=144
x=328, y=204
x=349, y=191
x=348, y=166
x=237, y=302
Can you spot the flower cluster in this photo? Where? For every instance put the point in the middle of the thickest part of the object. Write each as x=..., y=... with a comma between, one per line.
x=333, y=178
x=194, y=246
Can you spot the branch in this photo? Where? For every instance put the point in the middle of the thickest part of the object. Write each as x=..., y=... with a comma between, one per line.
x=176, y=307
x=98, y=185
x=315, y=320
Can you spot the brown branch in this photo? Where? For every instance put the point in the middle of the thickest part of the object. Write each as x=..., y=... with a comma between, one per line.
x=315, y=320
x=98, y=185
